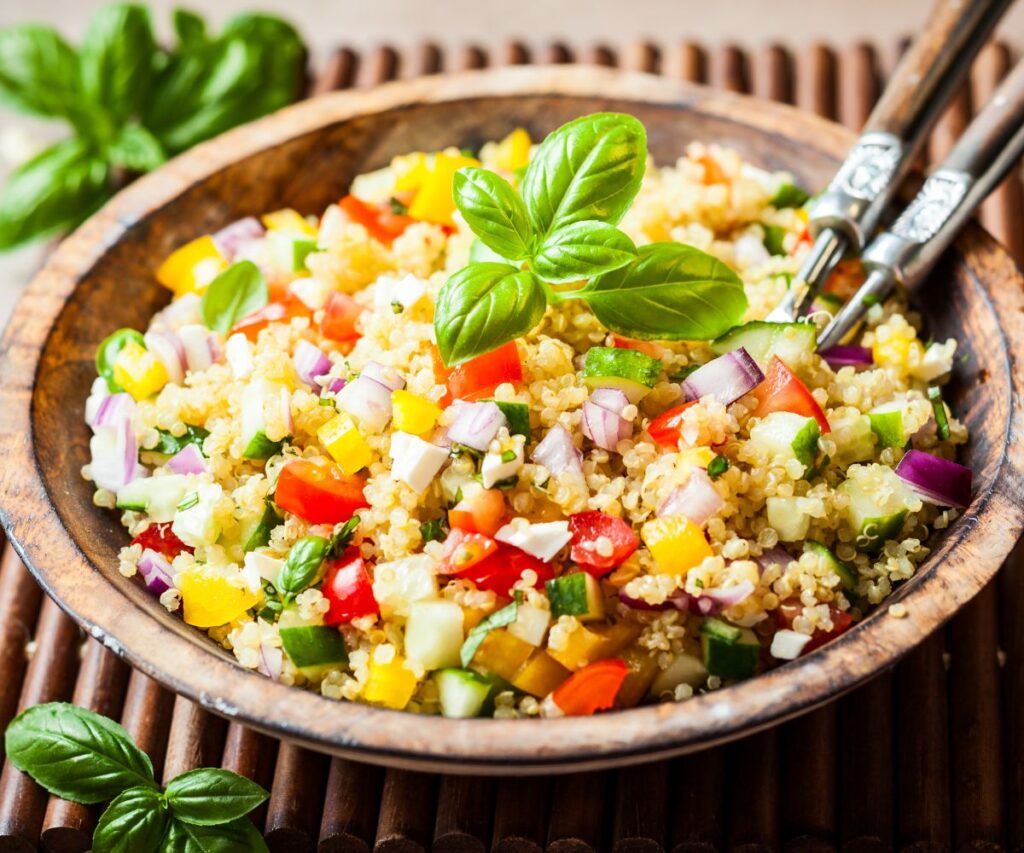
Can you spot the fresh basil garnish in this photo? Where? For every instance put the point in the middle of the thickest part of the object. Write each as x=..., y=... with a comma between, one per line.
x=40, y=74
x=340, y=540
x=581, y=250
x=433, y=530
x=232, y=295
x=170, y=444
x=495, y=212
x=498, y=619
x=302, y=564
x=136, y=819
x=118, y=59
x=135, y=148
x=209, y=796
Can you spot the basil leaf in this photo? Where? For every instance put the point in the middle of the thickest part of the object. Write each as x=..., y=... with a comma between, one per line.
x=788, y=194
x=340, y=540
x=54, y=191
x=238, y=836
x=581, y=250
x=232, y=295
x=170, y=444
x=479, y=251
x=40, y=74
x=190, y=28
x=670, y=292
x=590, y=168
x=76, y=754
x=106, y=354
x=433, y=530
x=210, y=796
x=774, y=237
x=498, y=619
x=135, y=820
x=494, y=211
x=483, y=306
x=302, y=564
x=118, y=59
x=136, y=149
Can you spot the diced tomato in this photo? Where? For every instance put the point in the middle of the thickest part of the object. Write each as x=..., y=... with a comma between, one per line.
x=482, y=512
x=379, y=220
x=665, y=429
x=804, y=239
x=592, y=688
x=588, y=528
x=340, y=315
x=463, y=550
x=280, y=311
x=782, y=391
x=479, y=376
x=790, y=609
x=646, y=347
x=499, y=571
x=318, y=492
x=348, y=589
x=160, y=538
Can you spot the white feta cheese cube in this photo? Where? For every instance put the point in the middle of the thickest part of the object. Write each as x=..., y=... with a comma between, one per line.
x=937, y=361
x=310, y=292
x=542, y=540
x=415, y=461
x=787, y=645
x=500, y=466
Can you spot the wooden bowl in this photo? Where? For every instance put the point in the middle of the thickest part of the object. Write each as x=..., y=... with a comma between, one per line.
x=101, y=278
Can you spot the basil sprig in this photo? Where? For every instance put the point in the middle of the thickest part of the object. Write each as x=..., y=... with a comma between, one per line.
x=562, y=229
x=302, y=564
x=232, y=295
x=81, y=756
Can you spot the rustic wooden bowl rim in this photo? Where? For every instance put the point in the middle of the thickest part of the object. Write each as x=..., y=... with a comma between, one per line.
x=967, y=560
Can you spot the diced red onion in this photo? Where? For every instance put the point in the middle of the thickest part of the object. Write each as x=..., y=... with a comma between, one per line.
x=310, y=362
x=333, y=384
x=605, y=428
x=183, y=311
x=726, y=378
x=167, y=347
x=231, y=237
x=709, y=602
x=557, y=453
x=368, y=401
x=271, y=661
x=386, y=376
x=188, y=460
x=773, y=557
x=726, y=597
x=611, y=399
x=476, y=425
x=697, y=499
x=201, y=349
x=678, y=600
x=115, y=456
x=156, y=572
x=936, y=480
x=111, y=411
x=842, y=355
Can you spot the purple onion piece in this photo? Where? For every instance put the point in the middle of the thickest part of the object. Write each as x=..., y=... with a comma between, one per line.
x=188, y=460
x=936, y=480
x=557, y=453
x=368, y=401
x=156, y=571
x=195, y=340
x=847, y=356
x=697, y=499
x=611, y=399
x=113, y=410
x=115, y=455
x=476, y=425
x=773, y=557
x=603, y=427
x=726, y=378
x=232, y=237
x=271, y=661
x=310, y=362
x=386, y=376
x=331, y=384
x=729, y=596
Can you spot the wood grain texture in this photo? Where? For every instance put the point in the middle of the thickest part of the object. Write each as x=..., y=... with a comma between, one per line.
x=296, y=799
x=349, y=823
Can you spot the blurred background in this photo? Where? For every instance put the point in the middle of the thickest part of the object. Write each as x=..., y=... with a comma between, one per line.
x=452, y=24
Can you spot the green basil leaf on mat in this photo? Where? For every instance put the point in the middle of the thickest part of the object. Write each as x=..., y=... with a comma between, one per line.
x=581, y=250
x=135, y=148
x=211, y=796
x=590, y=168
x=670, y=292
x=302, y=564
x=495, y=212
x=136, y=820
x=189, y=27
x=498, y=619
x=117, y=57
x=54, y=191
x=238, y=836
x=483, y=306
x=40, y=74
x=232, y=295
x=76, y=754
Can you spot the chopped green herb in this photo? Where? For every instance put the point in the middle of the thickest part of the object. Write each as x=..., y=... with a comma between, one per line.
x=508, y=456
x=340, y=540
x=682, y=373
x=789, y=195
x=939, y=410
x=774, y=239
x=499, y=619
x=170, y=444
x=871, y=299
x=717, y=467
x=508, y=482
x=396, y=307
x=189, y=502
x=398, y=207
x=433, y=530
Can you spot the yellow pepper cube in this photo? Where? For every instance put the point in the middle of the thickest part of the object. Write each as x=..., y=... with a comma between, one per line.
x=390, y=684
x=540, y=675
x=178, y=271
x=676, y=543
x=210, y=600
x=643, y=669
x=138, y=371
x=502, y=653
x=345, y=443
x=581, y=647
x=412, y=413
x=409, y=171
x=698, y=457
x=434, y=202
x=513, y=151
x=897, y=351
x=289, y=221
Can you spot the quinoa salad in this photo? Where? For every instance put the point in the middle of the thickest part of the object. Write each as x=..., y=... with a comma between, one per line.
x=503, y=432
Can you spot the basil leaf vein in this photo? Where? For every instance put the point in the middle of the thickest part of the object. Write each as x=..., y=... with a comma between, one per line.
x=232, y=295
x=40, y=74
x=581, y=250
x=117, y=59
x=135, y=820
x=210, y=796
x=494, y=210
x=237, y=836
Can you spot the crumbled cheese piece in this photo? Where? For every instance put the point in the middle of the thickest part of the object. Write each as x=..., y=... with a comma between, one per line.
x=787, y=645
x=542, y=540
x=416, y=461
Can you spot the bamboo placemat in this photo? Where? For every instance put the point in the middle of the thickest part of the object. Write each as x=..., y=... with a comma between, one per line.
x=929, y=757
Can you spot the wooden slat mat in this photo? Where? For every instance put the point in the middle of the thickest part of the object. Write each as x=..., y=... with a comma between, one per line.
x=928, y=757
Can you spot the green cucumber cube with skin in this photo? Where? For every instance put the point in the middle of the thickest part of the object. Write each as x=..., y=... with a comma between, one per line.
x=463, y=693
x=578, y=594
x=289, y=251
x=787, y=518
x=314, y=646
x=878, y=503
x=847, y=576
x=158, y=497
x=853, y=437
x=888, y=424
x=434, y=634
x=729, y=652
x=632, y=372
x=261, y=447
x=788, y=435
x=517, y=415
x=763, y=339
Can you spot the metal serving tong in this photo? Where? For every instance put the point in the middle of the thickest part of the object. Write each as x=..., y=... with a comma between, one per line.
x=845, y=216
x=979, y=161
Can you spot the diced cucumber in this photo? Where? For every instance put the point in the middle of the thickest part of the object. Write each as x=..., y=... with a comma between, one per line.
x=763, y=339
x=853, y=437
x=684, y=669
x=463, y=693
x=826, y=302
x=158, y=497
x=887, y=424
x=314, y=645
x=774, y=239
x=787, y=518
x=531, y=624
x=289, y=251
x=628, y=370
x=399, y=584
x=788, y=435
x=434, y=634
x=261, y=447
x=878, y=504
x=517, y=415
x=196, y=522
x=847, y=576
x=578, y=594
x=734, y=658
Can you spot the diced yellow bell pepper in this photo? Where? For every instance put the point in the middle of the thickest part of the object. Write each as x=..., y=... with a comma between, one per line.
x=177, y=272
x=676, y=543
x=473, y=616
x=586, y=645
x=643, y=669
x=513, y=151
x=698, y=457
x=138, y=371
x=409, y=171
x=210, y=599
x=289, y=221
x=502, y=653
x=390, y=684
x=345, y=443
x=897, y=351
x=412, y=413
x=540, y=675
x=434, y=201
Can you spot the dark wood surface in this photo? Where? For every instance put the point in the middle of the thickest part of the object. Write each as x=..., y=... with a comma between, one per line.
x=930, y=756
